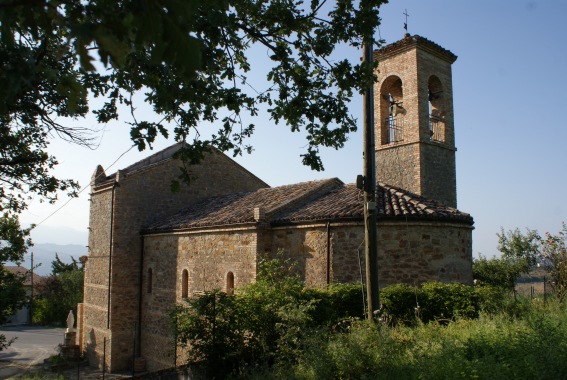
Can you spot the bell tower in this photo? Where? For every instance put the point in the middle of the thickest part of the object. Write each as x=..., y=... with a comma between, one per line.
x=414, y=128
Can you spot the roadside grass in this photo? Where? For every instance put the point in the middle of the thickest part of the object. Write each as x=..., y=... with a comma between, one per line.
x=42, y=375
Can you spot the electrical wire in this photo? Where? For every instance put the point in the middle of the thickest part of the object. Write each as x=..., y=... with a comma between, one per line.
x=80, y=191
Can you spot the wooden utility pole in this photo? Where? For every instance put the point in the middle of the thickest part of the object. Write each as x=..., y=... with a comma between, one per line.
x=371, y=244
x=31, y=287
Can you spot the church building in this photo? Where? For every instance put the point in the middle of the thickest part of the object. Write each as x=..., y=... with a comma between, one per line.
x=151, y=248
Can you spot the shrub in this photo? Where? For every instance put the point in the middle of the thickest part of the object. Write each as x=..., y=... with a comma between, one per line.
x=266, y=322
x=491, y=299
x=553, y=256
x=448, y=301
x=400, y=303
x=209, y=326
x=336, y=303
x=491, y=347
x=499, y=272
x=407, y=304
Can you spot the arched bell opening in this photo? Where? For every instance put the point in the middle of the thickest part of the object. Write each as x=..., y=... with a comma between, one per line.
x=392, y=111
x=436, y=103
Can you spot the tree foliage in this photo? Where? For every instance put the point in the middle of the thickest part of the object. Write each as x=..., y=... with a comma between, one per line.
x=58, y=293
x=187, y=60
x=500, y=272
x=14, y=242
x=553, y=257
x=520, y=249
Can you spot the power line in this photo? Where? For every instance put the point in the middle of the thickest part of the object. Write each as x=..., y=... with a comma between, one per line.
x=83, y=189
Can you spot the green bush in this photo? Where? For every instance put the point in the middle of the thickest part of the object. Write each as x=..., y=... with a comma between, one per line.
x=491, y=347
x=400, y=303
x=492, y=299
x=448, y=301
x=265, y=323
x=407, y=304
x=337, y=302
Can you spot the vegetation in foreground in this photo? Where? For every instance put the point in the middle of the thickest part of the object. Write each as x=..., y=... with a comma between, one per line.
x=532, y=345
x=277, y=328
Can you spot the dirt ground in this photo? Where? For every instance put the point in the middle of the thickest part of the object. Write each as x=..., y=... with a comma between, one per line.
x=536, y=282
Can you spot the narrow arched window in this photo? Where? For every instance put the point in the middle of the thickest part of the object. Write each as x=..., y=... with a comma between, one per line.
x=185, y=284
x=436, y=109
x=392, y=111
x=150, y=279
x=230, y=283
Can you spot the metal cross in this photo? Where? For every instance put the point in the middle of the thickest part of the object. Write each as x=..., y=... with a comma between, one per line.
x=406, y=23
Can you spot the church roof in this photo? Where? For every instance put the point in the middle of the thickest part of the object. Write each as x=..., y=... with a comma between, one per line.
x=323, y=201
x=100, y=179
x=410, y=42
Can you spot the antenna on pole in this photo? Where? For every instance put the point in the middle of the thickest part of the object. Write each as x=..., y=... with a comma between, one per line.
x=406, y=23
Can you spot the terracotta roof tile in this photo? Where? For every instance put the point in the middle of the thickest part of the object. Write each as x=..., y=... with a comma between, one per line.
x=238, y=208
x=21, y=272
x=325, y=200
x=410, y=41
x=346, y=203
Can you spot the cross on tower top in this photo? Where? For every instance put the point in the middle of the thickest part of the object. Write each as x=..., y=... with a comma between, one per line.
x=406, y=23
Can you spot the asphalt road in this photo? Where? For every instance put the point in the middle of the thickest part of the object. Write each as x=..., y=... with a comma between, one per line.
x=33, y=344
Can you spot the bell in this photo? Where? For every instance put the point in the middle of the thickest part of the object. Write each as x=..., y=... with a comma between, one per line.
x=396, y=109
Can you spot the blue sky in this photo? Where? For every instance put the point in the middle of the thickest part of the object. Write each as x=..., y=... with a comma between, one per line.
x=510, y=99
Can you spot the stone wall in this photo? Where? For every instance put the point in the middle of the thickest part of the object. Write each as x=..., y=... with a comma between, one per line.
x=207, y=258
x=394, y=166
x=140, y=197
x=408, y=252
x=439, y=179
x=308, y=249
x=95, y=305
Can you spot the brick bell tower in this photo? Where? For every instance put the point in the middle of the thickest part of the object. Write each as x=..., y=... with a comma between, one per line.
x=415, y=132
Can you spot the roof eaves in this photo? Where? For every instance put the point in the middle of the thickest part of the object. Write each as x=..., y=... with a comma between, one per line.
x=197, y=227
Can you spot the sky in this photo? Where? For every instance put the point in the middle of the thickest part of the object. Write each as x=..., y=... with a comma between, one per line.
x=510, y=99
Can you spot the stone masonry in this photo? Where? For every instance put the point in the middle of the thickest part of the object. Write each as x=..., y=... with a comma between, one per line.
x=415, y=74
x=411, y=252
x=121, y=205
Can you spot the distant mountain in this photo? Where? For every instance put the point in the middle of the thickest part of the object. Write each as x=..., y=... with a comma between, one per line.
x=44, y=254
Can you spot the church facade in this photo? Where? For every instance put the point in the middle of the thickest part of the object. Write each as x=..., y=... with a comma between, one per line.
x=150, y=248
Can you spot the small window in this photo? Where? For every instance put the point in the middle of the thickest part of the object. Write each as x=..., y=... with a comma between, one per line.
x=230, y=283
x=185, y=284
x=150, y=279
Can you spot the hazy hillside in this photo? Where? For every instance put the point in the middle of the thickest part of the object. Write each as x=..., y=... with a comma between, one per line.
x=44, y=254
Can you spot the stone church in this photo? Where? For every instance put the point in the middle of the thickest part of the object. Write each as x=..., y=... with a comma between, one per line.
x=150, y=248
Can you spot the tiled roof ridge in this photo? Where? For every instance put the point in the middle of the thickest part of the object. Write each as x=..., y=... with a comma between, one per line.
x=101, y=179
x=415, y=40
x=307, y=202
x=321, y=185
x=155, y=158
x=241, y=206
x=393, y=203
